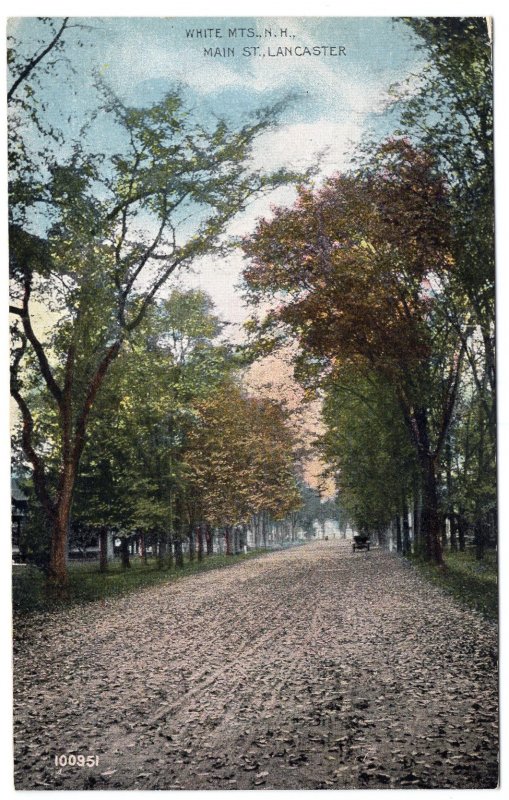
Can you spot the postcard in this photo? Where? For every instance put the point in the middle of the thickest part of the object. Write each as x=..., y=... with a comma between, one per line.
x=253, y=385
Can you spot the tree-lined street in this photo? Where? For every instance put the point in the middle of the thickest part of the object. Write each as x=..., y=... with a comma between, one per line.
x=310, y=668
x=252, y=306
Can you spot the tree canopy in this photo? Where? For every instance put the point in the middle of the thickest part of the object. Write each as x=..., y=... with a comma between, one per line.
x=95, y=237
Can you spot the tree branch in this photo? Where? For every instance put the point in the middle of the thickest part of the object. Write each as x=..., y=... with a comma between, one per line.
x=153, y=291
x=39, y=473
x=35, y=60
x=34, y=341
x=93, y=388
x=452, y=390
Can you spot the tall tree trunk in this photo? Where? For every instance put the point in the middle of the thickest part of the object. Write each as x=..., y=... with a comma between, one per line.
x=443, y=529
x=399, y=541
x=142, y=547
x=199, y=534
x=256, y=530
x=406, y=526
x=416, y=518
x=243, y=539
x=493, y=529
x=103, y=549
x=479, y=534
x=449, y=503
x=209, y=539
x=192, y=543
x=417, y=423
x=58, y=553
x=162, y=549
x=60, y=534
x=479, y=514
x=170, y=551
x=431, y=517
x=264, y=528
x=124, y=550
x=462, y=529
x=453, y=523
x=228, y=540
x=179, y=555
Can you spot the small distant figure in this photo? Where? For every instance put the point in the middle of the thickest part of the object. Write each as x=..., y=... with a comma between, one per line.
x=326, y=538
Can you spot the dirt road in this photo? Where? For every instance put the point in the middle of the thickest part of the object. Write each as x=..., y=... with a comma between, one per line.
x=310, y=668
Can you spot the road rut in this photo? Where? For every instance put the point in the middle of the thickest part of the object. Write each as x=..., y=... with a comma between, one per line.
x=310, y=668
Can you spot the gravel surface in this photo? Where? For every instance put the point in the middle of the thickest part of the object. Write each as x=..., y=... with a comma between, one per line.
x=311, y=668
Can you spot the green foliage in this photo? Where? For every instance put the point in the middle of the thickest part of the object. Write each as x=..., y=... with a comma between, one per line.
x=131, y=471
x=94, y=238
x=354, y=273
x=451, y=115
x=35, y=534
x=367, y=446
x=472, y=582
x=387, y=271
x=383, y=276
x=348, y=264
x=314, y=510
x=469, y=472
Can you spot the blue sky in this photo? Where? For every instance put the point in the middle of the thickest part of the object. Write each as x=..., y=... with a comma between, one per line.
x=143, y=57
x=338, y=98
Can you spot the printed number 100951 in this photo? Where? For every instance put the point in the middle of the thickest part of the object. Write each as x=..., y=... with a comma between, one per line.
x=73, y=760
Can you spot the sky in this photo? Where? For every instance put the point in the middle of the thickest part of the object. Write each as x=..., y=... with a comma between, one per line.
x=229, y=67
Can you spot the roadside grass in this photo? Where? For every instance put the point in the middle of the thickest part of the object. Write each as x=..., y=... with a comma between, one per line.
x=473, y=582
x=87, y=584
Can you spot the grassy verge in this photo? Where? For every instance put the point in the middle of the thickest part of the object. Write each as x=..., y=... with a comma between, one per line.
x=87, y=584
x=474, y=583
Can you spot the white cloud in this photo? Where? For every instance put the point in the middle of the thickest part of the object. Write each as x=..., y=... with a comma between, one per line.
x=297, y=146
x=219, y=277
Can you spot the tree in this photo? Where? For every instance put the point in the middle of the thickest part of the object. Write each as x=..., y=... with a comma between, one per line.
x=22, y=68
x=450, y=113
x=95, y=237
x=356, y=272
x=239, y=459
x=131, y=476
x=310, y=510
x=368, y=449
